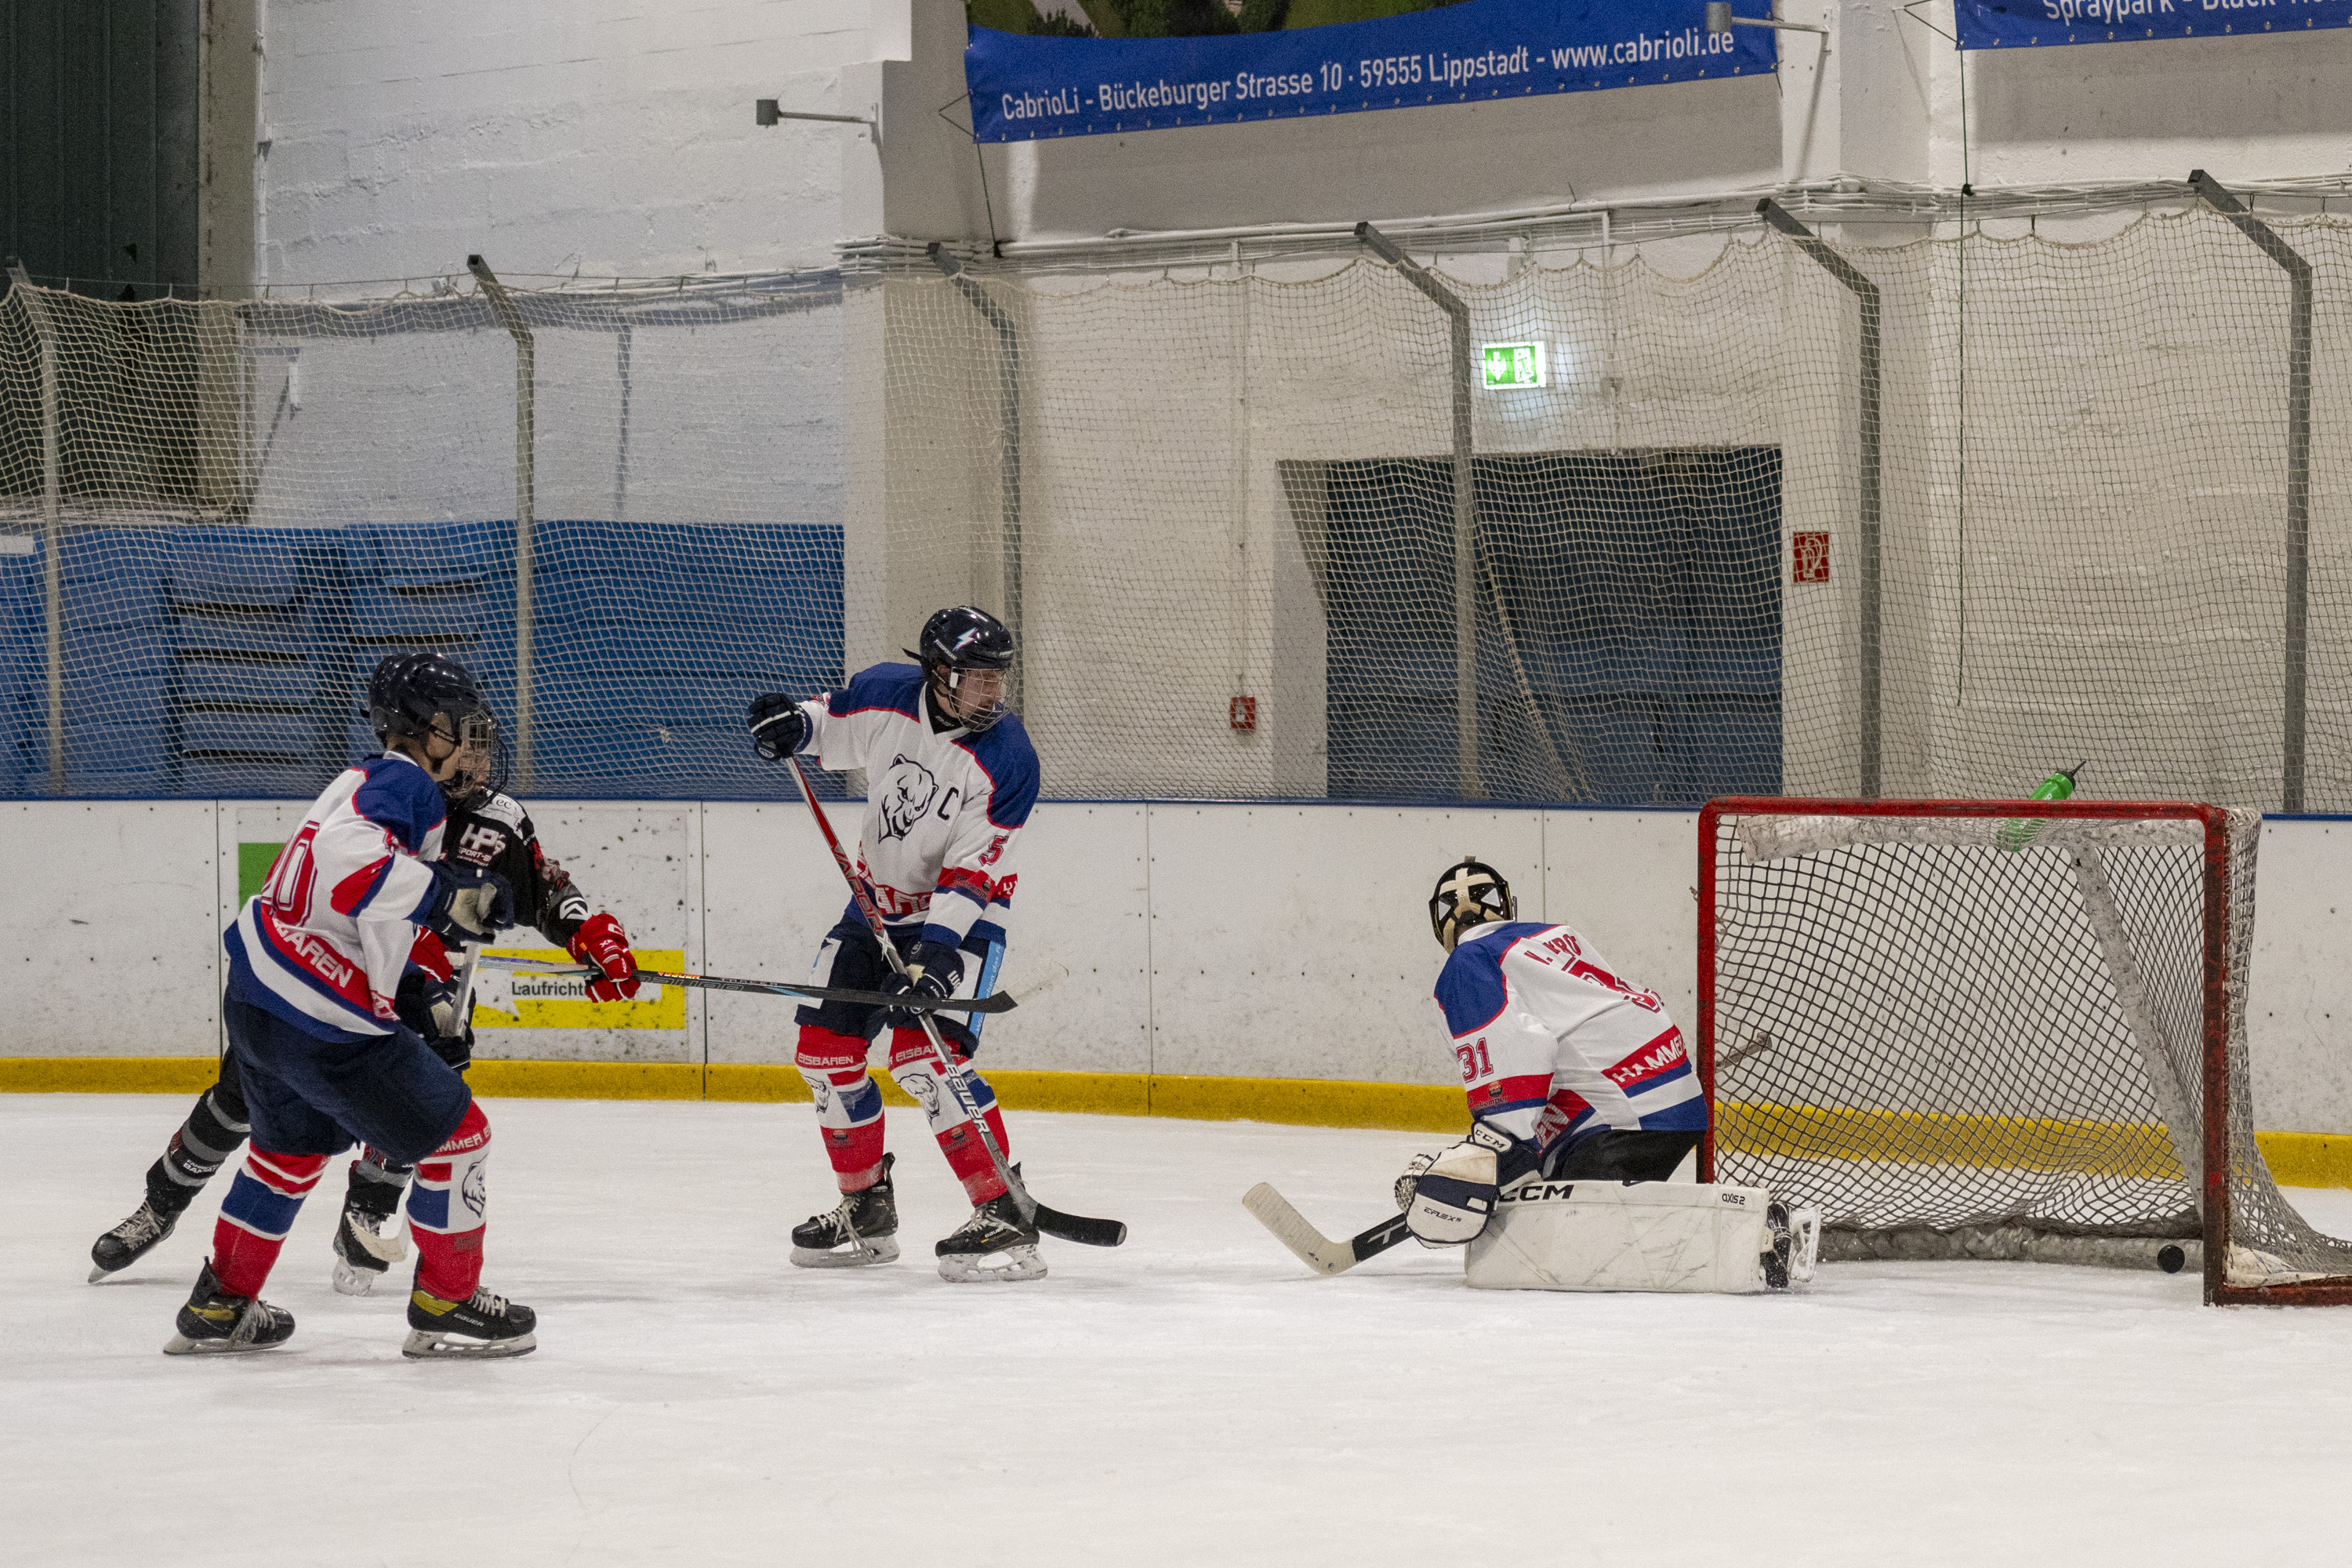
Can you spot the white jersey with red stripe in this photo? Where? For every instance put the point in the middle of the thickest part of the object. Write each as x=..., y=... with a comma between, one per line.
x=324, y=942
x=944, y=809
x=1555, y=1047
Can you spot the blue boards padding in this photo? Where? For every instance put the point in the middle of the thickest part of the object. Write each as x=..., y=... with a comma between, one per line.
x=211, y=661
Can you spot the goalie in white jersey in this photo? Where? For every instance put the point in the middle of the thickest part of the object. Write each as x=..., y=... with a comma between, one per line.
x=951, y=779
x=1582, y=1104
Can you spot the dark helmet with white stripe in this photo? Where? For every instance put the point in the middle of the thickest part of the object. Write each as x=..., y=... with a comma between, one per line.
x=1470, y=893
x=959, y=638
x=412, y=697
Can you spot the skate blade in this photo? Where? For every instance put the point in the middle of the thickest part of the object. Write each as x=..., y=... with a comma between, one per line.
x=865, y=1255
x=100, y=1271
x=351, y=1281
x=971, y=1268
x=435, y=1344
x=180, y=1344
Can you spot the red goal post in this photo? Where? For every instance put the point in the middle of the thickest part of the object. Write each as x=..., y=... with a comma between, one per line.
x=1909, y=1102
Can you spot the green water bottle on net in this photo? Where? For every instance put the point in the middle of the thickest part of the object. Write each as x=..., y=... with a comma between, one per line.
x=2016, y=832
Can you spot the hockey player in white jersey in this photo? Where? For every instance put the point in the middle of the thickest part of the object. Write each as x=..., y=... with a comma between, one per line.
x=1581, y=1097
x=950, y=778
x=316, y=959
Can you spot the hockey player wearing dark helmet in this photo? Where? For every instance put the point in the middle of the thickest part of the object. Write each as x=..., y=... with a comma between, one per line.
x=428, y=708
x=967, y=658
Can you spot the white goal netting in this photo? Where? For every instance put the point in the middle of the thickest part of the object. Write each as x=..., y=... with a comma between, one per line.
x=1228, y=511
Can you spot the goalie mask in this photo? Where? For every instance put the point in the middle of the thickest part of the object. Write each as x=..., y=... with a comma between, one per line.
x=1469, y=894
x=967, y=654
x=432, y=701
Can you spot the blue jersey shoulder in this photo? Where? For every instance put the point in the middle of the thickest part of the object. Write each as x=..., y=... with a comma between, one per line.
x=1470, y=986
x=1005, y=755
x=894, y=686
x=400, y=797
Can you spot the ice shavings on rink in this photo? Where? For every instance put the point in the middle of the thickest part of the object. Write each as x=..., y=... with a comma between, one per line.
x=1196, y=1397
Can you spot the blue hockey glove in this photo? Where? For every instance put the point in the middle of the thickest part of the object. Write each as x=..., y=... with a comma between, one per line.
x=466, y=905
x=778, y=727
x=932, y=970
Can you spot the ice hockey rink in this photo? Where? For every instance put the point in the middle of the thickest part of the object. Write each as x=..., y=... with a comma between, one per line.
x=1193, y=1398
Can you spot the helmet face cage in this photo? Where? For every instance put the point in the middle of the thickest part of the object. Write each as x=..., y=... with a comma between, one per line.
x=1471, y=893
x=959, y=638
x=418, y=697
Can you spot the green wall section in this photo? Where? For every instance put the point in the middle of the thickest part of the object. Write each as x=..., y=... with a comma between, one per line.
x=253, y=863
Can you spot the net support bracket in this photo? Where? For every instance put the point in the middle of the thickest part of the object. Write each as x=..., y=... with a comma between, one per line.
x=1008, y=452
x=1465, y=510
x=2298, y=464
x=1865, y=294
x=53, y=542
x=510, y=315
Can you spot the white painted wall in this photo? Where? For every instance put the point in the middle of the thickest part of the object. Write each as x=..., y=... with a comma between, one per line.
x=1243, y=940
x=604, y=136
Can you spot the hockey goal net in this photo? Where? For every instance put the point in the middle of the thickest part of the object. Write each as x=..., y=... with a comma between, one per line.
x=1997, y=1029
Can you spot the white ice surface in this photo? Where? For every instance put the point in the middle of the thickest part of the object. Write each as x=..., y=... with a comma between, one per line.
x=1195, y=1397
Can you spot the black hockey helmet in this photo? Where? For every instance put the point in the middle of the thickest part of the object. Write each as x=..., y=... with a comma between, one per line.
x=1470, y=893
x=963, y=637
x=414, y=695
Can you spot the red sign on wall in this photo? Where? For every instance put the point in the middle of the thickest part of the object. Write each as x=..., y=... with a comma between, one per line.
x=1809, y=558
x=1242, y=712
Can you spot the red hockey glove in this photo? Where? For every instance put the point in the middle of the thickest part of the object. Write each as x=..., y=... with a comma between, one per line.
x=601, y=941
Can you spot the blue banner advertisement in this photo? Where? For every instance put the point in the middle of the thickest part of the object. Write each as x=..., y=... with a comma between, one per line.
x=1024, y=87
x=2050, y=24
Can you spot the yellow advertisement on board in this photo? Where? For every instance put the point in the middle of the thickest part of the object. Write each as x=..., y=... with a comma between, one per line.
x=506, y=1000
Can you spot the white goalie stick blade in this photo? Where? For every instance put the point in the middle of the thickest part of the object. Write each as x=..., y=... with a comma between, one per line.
x=1317, y=1251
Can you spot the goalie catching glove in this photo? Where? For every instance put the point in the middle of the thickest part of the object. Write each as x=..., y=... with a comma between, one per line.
x=1448, y=1198
x=601, y=941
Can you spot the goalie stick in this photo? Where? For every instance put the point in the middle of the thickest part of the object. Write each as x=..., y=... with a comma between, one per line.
x=1315, y=1250
x=1024, y=988
x=1080, y=1229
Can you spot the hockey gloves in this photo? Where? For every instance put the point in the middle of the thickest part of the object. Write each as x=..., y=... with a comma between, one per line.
x=466, y=905
x=779, y=728
x=1454, y=1195
x=932, y=970
x=601, y=941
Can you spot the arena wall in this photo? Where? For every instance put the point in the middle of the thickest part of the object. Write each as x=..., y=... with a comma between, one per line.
x=1204, y=942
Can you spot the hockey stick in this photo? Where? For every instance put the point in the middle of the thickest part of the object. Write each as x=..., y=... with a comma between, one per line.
x=1315, y=1250
x=1052, y=1222
x=1025, y=988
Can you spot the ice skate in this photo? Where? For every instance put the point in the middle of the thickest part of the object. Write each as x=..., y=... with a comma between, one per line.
x=994, y=1245
x=131, y=1241
x=861, y=1231
x=480, y=1327
x=215, y=1322
x=368, y=1239
x=1793, y=1240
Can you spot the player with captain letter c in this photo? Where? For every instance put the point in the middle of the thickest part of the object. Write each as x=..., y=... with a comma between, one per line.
x=951, y=777
x=1582, y=1103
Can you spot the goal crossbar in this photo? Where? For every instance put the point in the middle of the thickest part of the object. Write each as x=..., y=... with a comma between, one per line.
x=2182, y=1143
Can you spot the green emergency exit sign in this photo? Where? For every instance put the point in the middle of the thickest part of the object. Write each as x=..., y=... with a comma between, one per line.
x=1507, y=367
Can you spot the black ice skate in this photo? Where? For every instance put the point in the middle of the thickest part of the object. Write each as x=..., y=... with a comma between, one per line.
x=367, y=1240
x=215, y=1322
x=862, y=1229
x=131, y=1241
x=478, y=1328
x=994, y=1245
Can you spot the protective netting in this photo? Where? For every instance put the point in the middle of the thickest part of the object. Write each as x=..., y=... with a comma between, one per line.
x=1930, y=520
x=1954, y=1026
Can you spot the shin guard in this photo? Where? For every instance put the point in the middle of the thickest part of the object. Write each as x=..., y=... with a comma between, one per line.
x=848, y=1106
x=257, y=1213
x=914, y=1065
x=447, y=1208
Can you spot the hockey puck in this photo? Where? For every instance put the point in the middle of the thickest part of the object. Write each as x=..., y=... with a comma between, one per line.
x=2170, y=1260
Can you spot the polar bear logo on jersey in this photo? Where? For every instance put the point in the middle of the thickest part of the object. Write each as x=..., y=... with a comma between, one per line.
x=906, y=794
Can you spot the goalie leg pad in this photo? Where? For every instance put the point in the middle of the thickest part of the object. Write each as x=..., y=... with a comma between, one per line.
x=1610, y=1236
